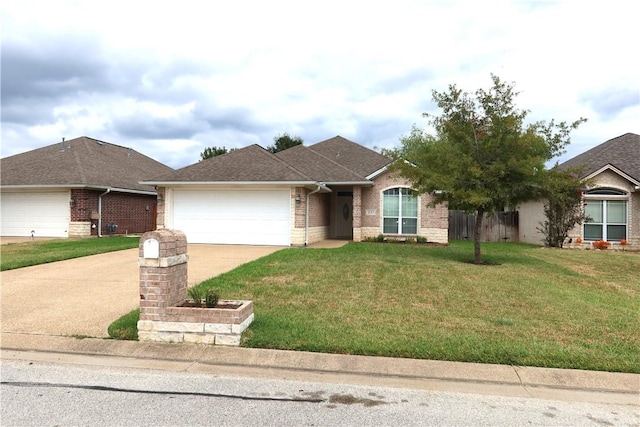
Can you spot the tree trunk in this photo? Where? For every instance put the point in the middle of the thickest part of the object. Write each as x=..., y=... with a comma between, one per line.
x=476, y=236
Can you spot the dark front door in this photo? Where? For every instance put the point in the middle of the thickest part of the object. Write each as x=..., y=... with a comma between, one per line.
x=344, y=214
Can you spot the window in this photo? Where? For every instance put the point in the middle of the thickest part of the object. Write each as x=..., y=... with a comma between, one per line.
x=399, y=211
x=607, y=215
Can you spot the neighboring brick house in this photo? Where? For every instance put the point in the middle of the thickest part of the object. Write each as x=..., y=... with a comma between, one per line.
x=612, y=201
x=80, y=187
x=335, y=189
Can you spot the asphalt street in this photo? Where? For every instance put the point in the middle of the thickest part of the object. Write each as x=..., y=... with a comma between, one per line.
x=39, y=393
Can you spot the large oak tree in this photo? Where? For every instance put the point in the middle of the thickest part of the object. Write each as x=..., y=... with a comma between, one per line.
x=483, y=156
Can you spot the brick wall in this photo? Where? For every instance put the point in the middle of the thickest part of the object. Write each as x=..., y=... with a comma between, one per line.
x=84, y=203
x=319, y=208
x=133, y=213
x=433, y=221
x=319, y=216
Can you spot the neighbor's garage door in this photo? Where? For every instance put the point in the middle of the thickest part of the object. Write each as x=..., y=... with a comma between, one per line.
x=236, y=217
x=46, y=213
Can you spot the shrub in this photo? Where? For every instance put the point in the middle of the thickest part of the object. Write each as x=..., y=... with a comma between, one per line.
x=196, y=293
x=211, y=298
x=410, y=240
x=421, y=239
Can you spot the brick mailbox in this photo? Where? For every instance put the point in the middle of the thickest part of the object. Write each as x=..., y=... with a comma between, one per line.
x=164, y=315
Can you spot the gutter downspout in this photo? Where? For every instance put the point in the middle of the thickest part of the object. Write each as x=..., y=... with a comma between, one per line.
x=100, y=211
x=306, y=217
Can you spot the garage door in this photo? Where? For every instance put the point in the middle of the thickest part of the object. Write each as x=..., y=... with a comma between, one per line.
x=237, y=217
x=47, y=214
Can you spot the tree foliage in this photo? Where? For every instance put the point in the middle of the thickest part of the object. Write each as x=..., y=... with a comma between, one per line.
x=483, y=156
x=284, y=141
x=563, y=208
x=210, y=152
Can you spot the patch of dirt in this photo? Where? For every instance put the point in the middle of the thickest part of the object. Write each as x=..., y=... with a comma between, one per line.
x=221, y=305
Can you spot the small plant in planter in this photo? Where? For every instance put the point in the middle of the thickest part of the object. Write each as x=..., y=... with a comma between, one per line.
x=211, y=297
x=197, y=294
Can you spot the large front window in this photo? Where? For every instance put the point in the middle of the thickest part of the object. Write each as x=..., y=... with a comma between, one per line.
x=400, y=211
x=607, y=218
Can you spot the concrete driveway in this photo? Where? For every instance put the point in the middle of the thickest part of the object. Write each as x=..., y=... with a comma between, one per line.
x=83, y=296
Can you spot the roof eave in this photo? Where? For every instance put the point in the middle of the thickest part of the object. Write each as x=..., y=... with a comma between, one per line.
x=378, y=172
x=171, y=183
x=78, y=186
x=362, y=183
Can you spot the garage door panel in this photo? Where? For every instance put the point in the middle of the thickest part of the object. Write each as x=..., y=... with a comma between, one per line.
x=233, y=217
x=46, y=213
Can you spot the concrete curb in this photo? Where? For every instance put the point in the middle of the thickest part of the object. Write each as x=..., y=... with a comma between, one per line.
x=561, y=384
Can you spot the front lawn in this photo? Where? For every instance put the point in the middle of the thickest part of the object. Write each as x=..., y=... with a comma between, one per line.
x=537, y=307
x=18, y=255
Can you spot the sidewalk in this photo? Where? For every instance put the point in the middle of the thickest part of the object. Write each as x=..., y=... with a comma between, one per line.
x=541, y=383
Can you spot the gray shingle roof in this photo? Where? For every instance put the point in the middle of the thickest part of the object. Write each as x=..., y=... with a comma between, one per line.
x=332, y=161
x=249, y=164
x=83, y=162
x=318, y=167
x=352, y=156
x=622, y=152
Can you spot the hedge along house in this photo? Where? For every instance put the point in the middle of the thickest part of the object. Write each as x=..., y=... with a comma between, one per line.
x=612, y=201
x=335, y=189
x=75, y=188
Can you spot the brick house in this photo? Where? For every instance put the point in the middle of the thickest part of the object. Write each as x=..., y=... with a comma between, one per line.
x=612, y=201
x=335, y=189
x=75, y=188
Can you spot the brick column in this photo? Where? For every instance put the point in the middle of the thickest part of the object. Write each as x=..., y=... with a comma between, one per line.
x=163, y=272
x=357, y=213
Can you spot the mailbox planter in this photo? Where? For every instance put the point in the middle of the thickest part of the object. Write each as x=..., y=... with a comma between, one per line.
x=164, y=313
x=202, y=325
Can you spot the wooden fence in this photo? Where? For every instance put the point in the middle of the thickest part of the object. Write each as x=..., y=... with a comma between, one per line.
x=496, y=227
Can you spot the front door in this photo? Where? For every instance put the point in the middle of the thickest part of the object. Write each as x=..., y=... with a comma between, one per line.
x=344, y=215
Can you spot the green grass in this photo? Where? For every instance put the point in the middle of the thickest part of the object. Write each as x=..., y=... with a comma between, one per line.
x=126, y=327
x=536, y=307
x=18, y=255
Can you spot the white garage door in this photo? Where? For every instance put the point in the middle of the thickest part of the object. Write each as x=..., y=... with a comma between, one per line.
x=236, y=217
x=46, y=213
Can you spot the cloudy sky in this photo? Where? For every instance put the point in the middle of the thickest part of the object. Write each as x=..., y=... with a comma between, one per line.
x=169, y=78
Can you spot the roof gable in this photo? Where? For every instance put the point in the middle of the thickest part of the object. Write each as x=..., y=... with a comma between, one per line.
x=248, y=164
x=355, y=157
x=622, y=152
x=84, y=162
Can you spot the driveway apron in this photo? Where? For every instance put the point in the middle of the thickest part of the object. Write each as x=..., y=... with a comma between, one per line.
x=83, y=296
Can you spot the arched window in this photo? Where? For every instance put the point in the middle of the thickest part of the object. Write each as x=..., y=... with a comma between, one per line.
x=606, y=211
x=400, y=211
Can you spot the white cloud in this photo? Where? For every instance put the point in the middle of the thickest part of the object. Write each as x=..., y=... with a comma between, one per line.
x=170, y=78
